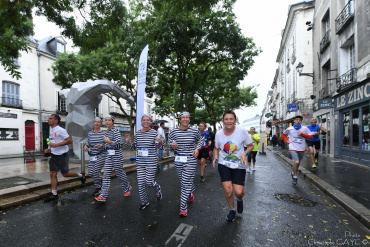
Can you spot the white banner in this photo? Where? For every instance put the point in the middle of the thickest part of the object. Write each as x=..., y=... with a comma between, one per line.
x=141, y=80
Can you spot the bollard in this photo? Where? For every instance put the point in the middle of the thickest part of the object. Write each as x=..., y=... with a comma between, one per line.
x=82, y=157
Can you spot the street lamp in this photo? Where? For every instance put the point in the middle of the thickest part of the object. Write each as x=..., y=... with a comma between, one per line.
x=300, y=68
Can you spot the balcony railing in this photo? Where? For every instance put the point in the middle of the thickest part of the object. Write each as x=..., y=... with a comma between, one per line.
x=345, y=17
x=325, y=42
x=346, y=79
x=12, y=102
x=324, y=92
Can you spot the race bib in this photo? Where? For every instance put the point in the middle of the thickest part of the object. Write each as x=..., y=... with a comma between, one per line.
x=111, y=152
x=297, y=140
x=233, y=164
x=181, y=159
x=52, y=140
x=93, y=158
x=254, y=143
x=143, y=152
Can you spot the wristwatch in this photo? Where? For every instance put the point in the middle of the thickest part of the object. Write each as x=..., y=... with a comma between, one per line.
x=246, y=153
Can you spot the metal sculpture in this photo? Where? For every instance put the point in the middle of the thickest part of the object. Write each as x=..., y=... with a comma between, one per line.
x=82, y=99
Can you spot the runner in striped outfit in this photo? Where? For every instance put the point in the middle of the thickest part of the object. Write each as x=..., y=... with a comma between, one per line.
x=114, y=159
x=146, y=159
x=186, y=143
x=95, y=148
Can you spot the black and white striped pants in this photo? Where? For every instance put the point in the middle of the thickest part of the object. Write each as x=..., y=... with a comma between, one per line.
x=94, y=170
x=116, y=162
x=145, y=178
x=186, y=173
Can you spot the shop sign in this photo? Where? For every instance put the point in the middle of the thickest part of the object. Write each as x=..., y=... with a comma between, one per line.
x=123, y=129
x=359, y=94
x=292, y=107
x=325, y=103
x=8, y=115
x=7, y=134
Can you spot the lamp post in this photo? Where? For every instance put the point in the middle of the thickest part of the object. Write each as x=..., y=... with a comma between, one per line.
x=300, y=68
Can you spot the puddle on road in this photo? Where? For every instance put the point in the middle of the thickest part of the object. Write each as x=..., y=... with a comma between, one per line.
x=295, y=199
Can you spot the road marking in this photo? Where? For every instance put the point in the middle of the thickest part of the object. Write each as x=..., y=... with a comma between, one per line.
x=181, y=233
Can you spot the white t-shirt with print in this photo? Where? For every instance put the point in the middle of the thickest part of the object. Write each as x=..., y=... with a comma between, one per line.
x=297, y=143
x=232, y=147
x=58, y=135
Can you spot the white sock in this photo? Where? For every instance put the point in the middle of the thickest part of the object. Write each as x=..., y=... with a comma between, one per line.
x=79, y=175
x=55, y=192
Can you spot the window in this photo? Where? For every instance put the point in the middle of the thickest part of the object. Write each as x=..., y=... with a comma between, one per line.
x=346, y=130
x=365, y=128
x=60, y=47
x=352, y=56
x=355, y=128
x=62, y=107
x=96, y=112
x=10, y=95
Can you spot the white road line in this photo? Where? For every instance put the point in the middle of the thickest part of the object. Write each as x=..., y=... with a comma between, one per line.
x=181, y=233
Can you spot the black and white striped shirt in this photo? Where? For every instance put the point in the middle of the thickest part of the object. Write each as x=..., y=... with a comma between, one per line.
x=145, y=141
x=115, y=136
x=93, y=139
x=187, y=141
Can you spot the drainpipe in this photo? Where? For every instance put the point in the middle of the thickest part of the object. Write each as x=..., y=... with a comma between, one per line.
x=39, y=82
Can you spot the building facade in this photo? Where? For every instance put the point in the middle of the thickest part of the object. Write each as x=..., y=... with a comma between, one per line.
x=342, y=77
x=292, y=92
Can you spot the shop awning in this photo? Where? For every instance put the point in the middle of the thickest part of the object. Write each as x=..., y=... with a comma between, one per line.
x=285, y=121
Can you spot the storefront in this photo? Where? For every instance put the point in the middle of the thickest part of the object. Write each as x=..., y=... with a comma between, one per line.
x=352, y=124
x=323, y=116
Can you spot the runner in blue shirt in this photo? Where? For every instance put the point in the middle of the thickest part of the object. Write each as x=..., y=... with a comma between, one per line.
x=314, y=143
x=204, y=151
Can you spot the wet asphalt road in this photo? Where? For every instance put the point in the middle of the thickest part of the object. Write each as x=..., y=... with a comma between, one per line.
x=76, y=220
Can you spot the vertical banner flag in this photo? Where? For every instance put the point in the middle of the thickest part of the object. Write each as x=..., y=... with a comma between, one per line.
x=141, y=80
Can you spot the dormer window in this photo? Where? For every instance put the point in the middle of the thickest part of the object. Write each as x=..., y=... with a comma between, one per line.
x=60, y=47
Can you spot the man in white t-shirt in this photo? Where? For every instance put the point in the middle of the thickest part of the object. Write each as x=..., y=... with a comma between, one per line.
x=58, y=147
x=296, y=136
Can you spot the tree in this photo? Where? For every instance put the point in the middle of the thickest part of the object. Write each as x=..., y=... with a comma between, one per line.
x=15, y=27
x=196, y=55
x=110, y=49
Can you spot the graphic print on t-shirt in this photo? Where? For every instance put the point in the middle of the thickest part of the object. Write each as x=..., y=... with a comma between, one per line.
x=230, y=148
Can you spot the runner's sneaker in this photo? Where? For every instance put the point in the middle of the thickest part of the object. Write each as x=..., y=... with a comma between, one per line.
x=96, y=192
x=51, y=197
x=294, y=179
x=191, y=197
x=100, y=199
x=314, y=166
x=183, y=213
x=231, y=215
x=254, y=168
x=202, y=179
x=83, y=178
x=239, y=206
x=159, y=194
x=308, y=156
x=128, y=193
x=143, y=206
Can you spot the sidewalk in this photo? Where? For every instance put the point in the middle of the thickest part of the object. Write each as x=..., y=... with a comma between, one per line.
x=347, y=183
x=26, y=181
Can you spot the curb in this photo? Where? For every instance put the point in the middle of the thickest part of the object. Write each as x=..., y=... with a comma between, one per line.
x=359, y=211
x=18, y=195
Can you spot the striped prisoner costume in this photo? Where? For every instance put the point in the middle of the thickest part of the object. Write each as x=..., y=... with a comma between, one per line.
x=146, y=162
x=96, y=164
x=113, y=161
x=187, y=141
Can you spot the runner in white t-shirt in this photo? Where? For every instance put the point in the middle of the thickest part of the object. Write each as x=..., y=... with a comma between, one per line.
x=232, y=160
x=296, y=136
x=58, y=147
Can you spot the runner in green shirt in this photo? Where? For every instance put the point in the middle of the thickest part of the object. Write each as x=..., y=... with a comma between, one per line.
x=256, y=140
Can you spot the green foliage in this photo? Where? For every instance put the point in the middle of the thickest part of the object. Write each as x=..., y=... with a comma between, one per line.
x=15, y=27
x=198, y=59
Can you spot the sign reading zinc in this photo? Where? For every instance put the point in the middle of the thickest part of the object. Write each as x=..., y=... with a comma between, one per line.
x=292, y=107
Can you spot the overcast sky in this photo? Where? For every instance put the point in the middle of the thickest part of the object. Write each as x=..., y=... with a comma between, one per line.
x=263, y=20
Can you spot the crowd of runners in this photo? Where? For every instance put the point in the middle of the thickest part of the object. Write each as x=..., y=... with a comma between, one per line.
x=233, y=149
